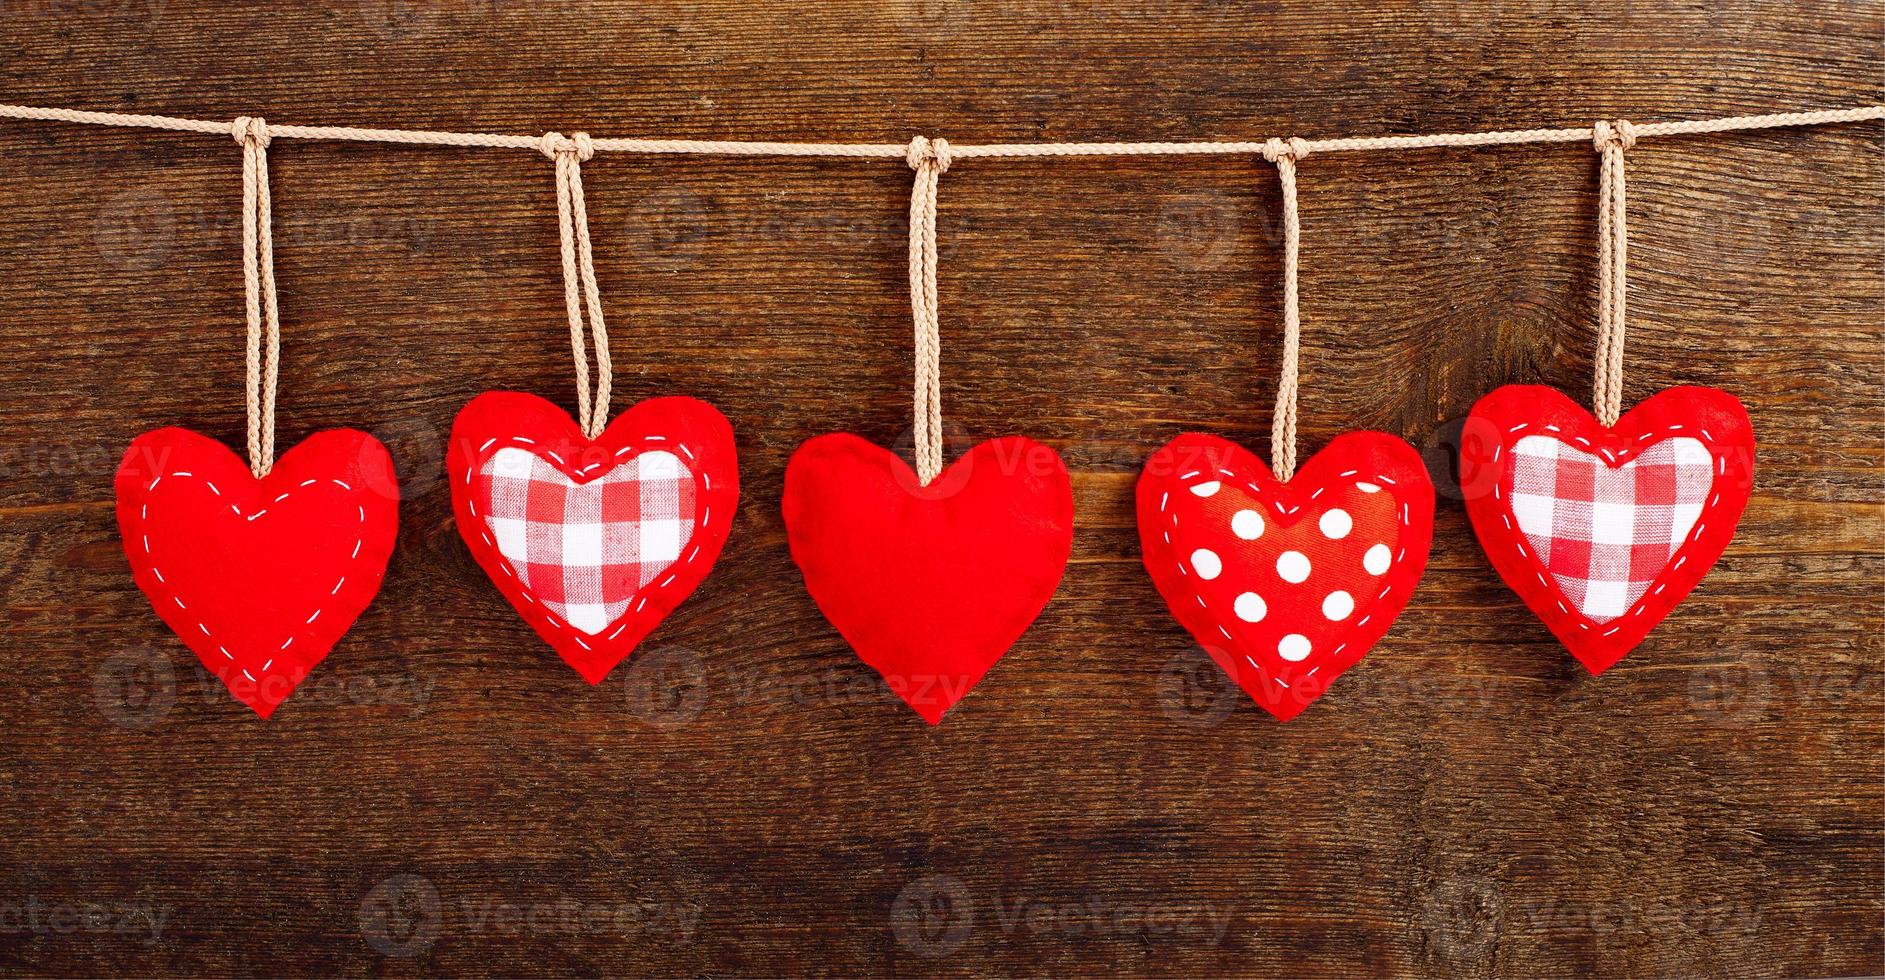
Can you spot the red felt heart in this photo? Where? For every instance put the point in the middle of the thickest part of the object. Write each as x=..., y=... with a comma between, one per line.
x=930, y=585
x=1286, y=585
x=1603, y=531
x=259, y=577
x=593, y=542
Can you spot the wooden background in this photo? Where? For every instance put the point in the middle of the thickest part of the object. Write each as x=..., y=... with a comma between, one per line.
x=444, y=796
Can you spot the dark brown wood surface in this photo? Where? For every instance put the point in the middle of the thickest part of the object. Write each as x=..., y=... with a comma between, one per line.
x=444, y=796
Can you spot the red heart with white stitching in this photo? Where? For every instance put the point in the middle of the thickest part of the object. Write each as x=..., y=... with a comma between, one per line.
x=593, y=542
x=1603, y=531
x=260, y=578
x=1286, y=585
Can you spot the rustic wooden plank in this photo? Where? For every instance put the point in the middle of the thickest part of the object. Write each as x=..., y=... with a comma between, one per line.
x=745, y=798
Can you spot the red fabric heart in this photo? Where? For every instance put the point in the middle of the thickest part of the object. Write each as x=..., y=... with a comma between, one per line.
x=593, y=543
x=930, y=585
x=1286, y=585
x=1603, y=531
x=259, y=577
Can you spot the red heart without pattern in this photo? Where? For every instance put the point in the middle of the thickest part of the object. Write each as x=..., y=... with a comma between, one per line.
x=1603, y=531
x=1286, y=585
x=259, y=577
x=593, y=542
x=930, y=585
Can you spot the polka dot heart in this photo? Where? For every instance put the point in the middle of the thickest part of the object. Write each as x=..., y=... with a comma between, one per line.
x=1603, y=531
x=1286, y=585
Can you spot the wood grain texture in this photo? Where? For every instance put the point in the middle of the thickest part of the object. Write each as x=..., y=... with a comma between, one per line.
x=445, y=797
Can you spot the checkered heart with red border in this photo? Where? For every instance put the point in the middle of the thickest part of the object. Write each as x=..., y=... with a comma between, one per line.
x=593, y=542
x=1602, y=532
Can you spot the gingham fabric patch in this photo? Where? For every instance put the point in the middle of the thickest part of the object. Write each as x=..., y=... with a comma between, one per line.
x=585, y=550
x=1605, y=532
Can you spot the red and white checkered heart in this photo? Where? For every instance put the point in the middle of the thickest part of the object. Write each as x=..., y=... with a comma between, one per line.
x=1603, y=531
x=593, y=542
x=585, y=550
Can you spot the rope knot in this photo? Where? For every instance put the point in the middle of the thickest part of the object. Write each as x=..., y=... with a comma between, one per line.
x=553, y=143
x=925, y=150
x=247, y=129
x=1294, y=149
x=1619, y=133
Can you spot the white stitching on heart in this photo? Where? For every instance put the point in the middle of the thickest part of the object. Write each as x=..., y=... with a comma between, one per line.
x=523, y=589
x=1622, y=458
x=144, y=516
x=1251, y=486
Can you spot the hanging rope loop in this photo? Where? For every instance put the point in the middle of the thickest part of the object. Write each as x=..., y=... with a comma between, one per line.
x=1611, y=139
x=1284, y=153
x=930, y=159
x=258, y=281
x=582, y=297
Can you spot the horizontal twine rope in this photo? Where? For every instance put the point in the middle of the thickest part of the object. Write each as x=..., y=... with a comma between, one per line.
x=898, y=151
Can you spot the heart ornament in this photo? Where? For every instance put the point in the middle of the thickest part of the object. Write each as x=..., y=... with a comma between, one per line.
x=1602, y=532
x=1286, y=584
x=258, y=577
x=593, y=542
x=930, y=584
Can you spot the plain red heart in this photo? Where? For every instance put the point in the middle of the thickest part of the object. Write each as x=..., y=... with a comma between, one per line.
x=1659, y=495
x=1286, y=585
x=259, y=577
x=930, y=585
x=593, y=542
